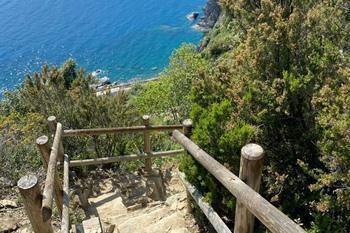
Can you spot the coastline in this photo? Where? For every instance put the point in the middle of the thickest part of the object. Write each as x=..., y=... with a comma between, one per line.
x=114, y=89
x=211, y=12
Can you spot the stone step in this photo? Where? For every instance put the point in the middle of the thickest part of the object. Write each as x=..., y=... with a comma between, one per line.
x=92, y=225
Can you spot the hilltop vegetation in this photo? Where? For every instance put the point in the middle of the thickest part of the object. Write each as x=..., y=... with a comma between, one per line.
x=272, y=72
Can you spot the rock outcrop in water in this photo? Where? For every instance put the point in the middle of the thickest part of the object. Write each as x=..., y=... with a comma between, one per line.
x=212, y=12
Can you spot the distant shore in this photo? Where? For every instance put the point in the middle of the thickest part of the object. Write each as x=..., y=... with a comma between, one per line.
x=114, y=89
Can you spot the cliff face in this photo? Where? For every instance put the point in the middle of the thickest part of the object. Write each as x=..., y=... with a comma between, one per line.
x=212, y=12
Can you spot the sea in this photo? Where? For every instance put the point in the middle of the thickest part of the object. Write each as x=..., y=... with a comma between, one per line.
x=126, y=39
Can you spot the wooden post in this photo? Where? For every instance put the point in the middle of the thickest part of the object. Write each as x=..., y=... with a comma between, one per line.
x=250, y=172
x=187, y=129
x=30, y=191
x=147, y=144
x=44, y=148
x=52, y=122
x=50, y=175
x=65, y=213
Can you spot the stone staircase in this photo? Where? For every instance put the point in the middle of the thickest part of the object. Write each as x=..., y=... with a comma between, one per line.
x=121, y=204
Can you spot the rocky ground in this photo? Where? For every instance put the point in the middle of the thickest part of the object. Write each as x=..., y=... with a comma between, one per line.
x=123, y=205
x=122, y=202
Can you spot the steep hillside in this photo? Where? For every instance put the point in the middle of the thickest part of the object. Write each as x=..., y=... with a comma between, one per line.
x=276, y=73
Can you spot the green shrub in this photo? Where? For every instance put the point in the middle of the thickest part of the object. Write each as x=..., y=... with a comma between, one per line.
x=168, y=98
x=65, y=93
x=284, y=85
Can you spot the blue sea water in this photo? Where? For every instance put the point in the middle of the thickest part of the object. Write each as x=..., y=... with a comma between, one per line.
x=125, y=38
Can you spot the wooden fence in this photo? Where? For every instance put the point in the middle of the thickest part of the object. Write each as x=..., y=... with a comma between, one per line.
x=249, y=203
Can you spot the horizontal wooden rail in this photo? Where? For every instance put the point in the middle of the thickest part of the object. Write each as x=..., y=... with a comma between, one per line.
x=65, y=211
x=123, y=158
x=270, y=216
x=50, y=176
x=209, y=212
x=131, y=129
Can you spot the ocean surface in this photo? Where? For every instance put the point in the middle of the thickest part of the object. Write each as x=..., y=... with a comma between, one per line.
x=127, y=39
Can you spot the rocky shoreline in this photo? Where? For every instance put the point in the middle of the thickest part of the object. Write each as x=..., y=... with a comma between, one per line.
x=212, y=12
x=115, y=88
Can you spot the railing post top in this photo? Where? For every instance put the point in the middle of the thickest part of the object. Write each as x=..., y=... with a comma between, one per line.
x=27, y=182
x=51, y=118
x=145, y=119
x=52, y=122
x=187, y=127
x=42, y=140
x=187, y=123
x=252, y=151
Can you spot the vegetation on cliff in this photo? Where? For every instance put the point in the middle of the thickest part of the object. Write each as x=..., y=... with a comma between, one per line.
x=277, y=73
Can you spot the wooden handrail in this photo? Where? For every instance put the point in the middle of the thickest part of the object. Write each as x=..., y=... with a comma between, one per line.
x=50, y=176
x=131, y=129
x=123, y=158
x=209, y=212
x=270, y=216
x=65, y=211
x=52, y=123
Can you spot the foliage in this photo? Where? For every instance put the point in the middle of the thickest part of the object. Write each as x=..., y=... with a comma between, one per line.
x=65, y=93
x=272, y=72
x=286, y=76
x=169, y=96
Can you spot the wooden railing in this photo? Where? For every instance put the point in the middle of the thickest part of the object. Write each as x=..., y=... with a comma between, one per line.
x=249, y=203
x=39, y=206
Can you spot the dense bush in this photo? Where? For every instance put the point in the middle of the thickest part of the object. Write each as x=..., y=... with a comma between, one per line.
x=63, y=92
x=284, y=83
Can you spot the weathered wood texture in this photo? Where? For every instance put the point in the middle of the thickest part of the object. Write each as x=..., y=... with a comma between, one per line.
x=132, y=129
x=50, y=176
x=123, y=158
x=187, y=127
x=269, y=215
x=44, y=148
x=65, y=212
x=52, y=122
x=209, y=212
x=30, y=191
x=250, y=172
x=147, y=144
